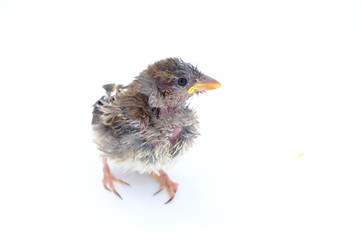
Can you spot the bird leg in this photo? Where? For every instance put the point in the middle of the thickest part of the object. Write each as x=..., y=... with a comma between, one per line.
x=165, y=182
x=109, y=178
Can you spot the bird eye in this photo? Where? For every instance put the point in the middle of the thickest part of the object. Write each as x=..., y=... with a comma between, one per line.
x=182, y=82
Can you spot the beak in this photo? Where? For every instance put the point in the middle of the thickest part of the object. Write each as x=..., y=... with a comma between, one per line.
x=205, y=83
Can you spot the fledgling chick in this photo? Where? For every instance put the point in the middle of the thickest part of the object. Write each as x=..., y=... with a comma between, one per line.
x=147, y=124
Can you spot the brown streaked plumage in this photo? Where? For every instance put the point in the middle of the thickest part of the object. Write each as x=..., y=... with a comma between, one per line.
x=145, y=125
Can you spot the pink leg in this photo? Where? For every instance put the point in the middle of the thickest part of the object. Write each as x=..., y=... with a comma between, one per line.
x=165, y=182
x=109, y=178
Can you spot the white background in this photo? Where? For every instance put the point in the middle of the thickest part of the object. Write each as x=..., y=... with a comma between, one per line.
x=291, y=73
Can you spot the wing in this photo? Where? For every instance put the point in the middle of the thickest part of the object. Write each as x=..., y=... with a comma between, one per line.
x=121, y=110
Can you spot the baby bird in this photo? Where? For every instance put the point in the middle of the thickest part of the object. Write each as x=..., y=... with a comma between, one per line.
x=147, y=124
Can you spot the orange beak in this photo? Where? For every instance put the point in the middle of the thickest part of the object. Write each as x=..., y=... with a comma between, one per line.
x=205, y=83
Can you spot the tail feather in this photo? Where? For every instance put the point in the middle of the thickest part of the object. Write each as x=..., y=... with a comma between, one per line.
x=109, y=89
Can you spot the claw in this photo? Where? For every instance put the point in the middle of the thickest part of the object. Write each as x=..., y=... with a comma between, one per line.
x=105, y=186
x=161, y=189
x=111, y=188
x=116, y=193
x=170, y=199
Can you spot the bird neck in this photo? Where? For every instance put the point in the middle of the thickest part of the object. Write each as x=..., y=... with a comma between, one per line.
x=168, y=110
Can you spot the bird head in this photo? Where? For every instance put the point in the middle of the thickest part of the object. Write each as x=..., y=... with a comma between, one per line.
x=170, y=82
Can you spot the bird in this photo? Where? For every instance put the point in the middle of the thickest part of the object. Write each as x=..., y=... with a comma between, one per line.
x=146, y=125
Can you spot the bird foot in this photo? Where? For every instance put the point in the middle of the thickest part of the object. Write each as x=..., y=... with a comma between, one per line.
x=109, y=178
x=165, y=183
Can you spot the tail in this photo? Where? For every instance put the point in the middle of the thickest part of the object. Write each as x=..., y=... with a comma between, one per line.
x=109, y=88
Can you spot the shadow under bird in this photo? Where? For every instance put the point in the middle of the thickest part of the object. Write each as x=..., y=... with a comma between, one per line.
x=147, y=124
